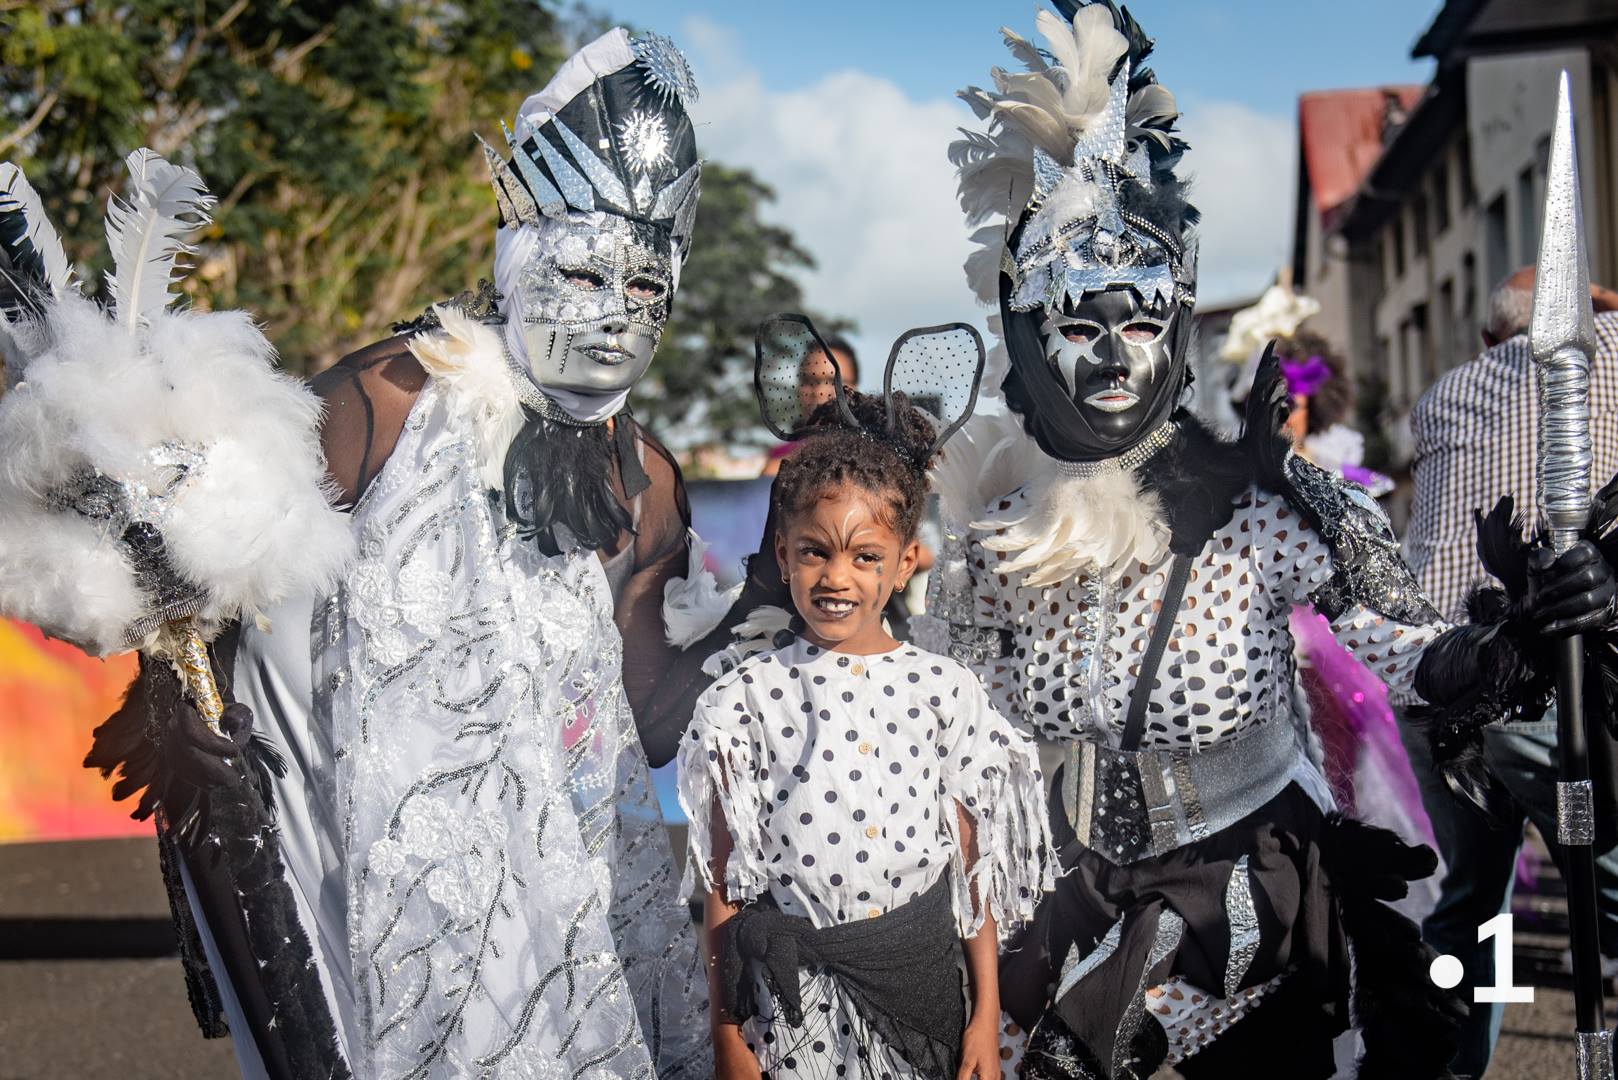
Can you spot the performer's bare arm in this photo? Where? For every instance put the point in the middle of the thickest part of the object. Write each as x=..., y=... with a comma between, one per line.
x=368, y=395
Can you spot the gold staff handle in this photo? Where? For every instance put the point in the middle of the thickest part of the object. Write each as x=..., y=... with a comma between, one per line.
x=190, y=658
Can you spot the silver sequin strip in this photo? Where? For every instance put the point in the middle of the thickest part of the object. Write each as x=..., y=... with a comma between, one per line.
x=1170, y=927
x=1595, y=1055
x=1243, y=927
x=1075, y=967
x=1128, y=461
x=1575, y=813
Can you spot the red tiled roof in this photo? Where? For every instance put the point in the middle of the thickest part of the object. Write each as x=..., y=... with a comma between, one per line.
x=1341, y=135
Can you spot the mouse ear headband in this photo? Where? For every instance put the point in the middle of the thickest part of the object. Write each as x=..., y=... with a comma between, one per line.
x=936, y=369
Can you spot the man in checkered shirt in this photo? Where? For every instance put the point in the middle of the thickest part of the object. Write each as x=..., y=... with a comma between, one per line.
x=1475, y=440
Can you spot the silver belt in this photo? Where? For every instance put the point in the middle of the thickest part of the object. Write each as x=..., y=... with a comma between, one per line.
x=1131, y=805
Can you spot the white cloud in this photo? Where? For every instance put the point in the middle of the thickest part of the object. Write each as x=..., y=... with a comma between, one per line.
x=861, y=178
x=1243, y=165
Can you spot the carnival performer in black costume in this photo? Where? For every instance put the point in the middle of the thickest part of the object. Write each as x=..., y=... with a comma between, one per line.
x=1121, y=579
x=467, y=836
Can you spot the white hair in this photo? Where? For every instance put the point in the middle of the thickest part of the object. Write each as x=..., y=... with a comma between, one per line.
x=1511, y=308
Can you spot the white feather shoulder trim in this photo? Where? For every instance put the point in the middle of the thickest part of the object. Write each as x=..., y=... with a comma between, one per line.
x=469, y=359
x=994, y=478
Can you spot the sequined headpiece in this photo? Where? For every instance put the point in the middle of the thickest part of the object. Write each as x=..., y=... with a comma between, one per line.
x=936, y=369
x=1078, y=162
x=610, y=132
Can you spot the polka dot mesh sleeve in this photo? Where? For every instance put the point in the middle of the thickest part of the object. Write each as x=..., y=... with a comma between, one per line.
x=719, y=769
x=991, y=771
x=1299, y=566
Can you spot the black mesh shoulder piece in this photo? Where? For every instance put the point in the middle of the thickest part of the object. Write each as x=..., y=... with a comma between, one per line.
x=1367, y=569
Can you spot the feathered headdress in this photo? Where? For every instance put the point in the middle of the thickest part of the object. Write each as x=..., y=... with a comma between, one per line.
x=936, y=369
x=156, y=471
x=610, y=132
x=1078, y=163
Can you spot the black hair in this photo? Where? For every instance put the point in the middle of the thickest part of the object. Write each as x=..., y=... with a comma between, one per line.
x=870, y=458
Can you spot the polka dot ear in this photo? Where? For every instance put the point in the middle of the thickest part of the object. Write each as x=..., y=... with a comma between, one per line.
x=938, y=369
x=792, y=369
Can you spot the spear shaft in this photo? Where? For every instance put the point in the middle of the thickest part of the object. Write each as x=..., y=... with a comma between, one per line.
x=1562, y=337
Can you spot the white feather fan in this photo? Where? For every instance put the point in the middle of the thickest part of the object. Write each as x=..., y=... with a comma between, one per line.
x=105, y=405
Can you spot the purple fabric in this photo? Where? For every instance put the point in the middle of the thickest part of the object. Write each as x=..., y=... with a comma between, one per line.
x=1352, y=716
x=1304, y=377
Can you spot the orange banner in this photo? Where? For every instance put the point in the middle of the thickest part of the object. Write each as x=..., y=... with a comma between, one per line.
x=52, y=696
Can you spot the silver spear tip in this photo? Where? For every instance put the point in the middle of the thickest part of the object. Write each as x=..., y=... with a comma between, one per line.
x=1562, y=313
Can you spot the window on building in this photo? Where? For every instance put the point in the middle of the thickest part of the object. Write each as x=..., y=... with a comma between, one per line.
x=1441, y=198
x=1467, y=326
x=1399, y=384
x=1527, y=218
x=1497, y=244
x=1463, y=162
x=1418, y=223
x=1421, y=373
x=1396, y=240
x=1446, y=330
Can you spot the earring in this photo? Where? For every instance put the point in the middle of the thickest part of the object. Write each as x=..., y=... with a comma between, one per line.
x=786, y=579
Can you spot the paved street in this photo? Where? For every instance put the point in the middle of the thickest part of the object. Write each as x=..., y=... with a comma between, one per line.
x=127, y=1019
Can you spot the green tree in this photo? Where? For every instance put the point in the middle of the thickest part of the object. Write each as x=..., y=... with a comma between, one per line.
x=699, y=390
x=335, y=136
x=352, y=194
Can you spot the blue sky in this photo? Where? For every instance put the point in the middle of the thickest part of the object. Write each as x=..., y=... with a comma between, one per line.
x=1254, y=52
x=847, y=108
x=1259, y=53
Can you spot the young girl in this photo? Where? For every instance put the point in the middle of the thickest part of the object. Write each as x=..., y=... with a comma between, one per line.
x=860, y=816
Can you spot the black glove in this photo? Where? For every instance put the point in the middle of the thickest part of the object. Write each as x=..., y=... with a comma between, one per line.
x=1569, y=594
x=163, y=750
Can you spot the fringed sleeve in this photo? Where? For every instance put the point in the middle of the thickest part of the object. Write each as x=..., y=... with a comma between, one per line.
x=719, y=766
x=991, y=771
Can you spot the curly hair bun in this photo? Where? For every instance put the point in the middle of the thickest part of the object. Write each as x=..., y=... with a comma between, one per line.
x=891, y=462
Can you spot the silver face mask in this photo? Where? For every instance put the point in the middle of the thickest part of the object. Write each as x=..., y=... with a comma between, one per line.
x=595, y=300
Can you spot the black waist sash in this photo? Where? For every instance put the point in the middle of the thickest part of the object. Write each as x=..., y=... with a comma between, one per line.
x=900, y=970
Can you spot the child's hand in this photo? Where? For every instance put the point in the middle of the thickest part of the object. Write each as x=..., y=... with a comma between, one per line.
x=732, y=1060
x=980, y=1049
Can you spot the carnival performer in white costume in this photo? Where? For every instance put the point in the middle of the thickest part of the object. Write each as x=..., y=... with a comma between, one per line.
x=468, y=825
x=1121, y=579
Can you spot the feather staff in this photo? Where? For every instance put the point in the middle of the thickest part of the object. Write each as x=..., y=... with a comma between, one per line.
x=159, y=477
x=1562, y=337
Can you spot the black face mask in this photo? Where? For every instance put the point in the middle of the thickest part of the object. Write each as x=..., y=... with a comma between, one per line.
x=1096, y=378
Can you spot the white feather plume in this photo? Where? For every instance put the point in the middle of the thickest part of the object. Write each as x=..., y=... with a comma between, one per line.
x=252, y=525
x=694, y=605
x=17, y=196
x=145, y=234
x=993, y=478
x=468, y=358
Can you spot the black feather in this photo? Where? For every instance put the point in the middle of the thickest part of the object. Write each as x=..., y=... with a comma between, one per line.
x=559, y=485
x=1409, y=1025
x=1501, y=546
x=1199, y=478
x=23, y=280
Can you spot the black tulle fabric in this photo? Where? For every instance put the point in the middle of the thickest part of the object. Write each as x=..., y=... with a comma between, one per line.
x=559, y=484
x=901, y=970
